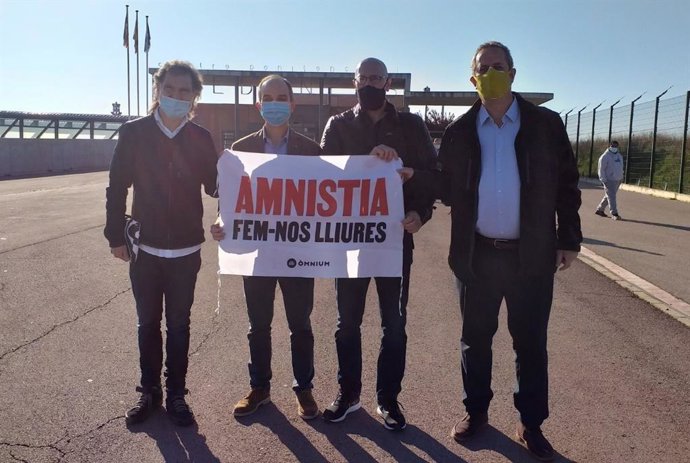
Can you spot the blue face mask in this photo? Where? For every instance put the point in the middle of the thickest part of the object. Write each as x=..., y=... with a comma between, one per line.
x=175, y=109
x=275, y=113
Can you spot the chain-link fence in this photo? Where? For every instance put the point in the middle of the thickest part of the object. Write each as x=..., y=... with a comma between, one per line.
x=653, y=138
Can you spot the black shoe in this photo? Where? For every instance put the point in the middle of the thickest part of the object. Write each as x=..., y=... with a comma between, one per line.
x=600, y=213
x=536, y=443
x=343, y=405
x=179, y=411
x=150, y=400
x=393, y=418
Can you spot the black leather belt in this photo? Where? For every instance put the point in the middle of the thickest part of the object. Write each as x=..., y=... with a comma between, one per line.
x=497, y=243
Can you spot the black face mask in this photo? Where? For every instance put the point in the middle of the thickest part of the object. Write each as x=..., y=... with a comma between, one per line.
x=371, y=98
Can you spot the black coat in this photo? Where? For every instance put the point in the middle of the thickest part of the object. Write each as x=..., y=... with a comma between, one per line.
x=166, y=175
x=353, y=133
x=549, y=193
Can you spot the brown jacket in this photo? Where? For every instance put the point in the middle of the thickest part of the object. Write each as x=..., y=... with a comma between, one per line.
x=297, y=144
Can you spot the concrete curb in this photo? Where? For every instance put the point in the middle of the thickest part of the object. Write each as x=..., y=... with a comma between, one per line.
x=641, y=288
x=644, y=190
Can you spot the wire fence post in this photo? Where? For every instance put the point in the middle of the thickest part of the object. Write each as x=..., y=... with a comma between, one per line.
x=591, y=143
x=566, y=119
x=627, y=158
x=656, y=120
x=684, y=144
x=611, y=118
x=577, y=135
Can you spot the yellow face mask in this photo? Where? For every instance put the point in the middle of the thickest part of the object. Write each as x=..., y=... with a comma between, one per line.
x=492, y=84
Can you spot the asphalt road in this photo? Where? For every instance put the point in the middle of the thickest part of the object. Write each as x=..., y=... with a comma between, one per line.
x=619, y=368
x=652, y=240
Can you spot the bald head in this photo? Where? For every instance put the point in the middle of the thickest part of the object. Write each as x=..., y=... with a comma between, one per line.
x=371, y=66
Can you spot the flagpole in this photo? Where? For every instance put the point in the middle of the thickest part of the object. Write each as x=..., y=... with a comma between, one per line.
x=147, y=44
x=126, y=44
x=136, y=50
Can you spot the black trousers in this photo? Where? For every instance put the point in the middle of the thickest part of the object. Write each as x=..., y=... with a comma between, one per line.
x=528, y=299
x=298, y=297
x=351, y=294
x=156, y=280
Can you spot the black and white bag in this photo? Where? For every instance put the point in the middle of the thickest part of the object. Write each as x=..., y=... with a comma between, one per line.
x=132, y=229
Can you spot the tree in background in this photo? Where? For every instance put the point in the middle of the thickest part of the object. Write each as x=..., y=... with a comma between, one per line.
x=437, y=122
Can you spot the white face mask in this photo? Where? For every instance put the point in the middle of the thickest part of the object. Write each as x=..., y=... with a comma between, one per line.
x=613, y=150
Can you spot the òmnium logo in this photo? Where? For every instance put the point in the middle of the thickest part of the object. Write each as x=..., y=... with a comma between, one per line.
x=292, y=263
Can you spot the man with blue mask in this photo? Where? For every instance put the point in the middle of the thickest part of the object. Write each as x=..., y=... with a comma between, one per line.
x=276, y=104
x=375, y=127
x=166, y=158
x=611, y=176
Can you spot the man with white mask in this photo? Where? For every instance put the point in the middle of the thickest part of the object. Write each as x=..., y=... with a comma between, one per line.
x=276, y=104
x=610, y=175
x=166, y=158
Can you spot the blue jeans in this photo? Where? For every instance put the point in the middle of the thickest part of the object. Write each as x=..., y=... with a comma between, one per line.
x=155, y=280
x=528, y=300
x=351, y=296
x=298, y=296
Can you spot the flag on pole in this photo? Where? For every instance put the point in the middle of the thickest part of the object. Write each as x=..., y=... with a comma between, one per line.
x=125, y=35
x=147, y=39
x=136, y=35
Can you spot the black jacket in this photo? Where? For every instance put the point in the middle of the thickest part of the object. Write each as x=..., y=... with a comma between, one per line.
x=549, y=193
x=166, y=175
x=353, y=132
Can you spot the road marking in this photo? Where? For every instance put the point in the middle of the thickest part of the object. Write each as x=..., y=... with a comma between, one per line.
x=667, y=303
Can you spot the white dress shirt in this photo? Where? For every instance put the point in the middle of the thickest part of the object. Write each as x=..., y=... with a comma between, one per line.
x=499, y=183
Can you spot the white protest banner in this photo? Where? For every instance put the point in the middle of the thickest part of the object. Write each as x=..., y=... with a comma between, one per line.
x=310, y=216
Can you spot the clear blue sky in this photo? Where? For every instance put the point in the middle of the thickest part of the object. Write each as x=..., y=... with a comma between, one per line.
x=67, y=56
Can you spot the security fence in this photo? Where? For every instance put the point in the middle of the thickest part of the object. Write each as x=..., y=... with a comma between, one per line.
x=653, y=139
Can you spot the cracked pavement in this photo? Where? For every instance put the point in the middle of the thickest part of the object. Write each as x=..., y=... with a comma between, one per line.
x=68, y=352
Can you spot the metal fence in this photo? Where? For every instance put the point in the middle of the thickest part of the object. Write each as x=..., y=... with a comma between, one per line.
x=16, y=124
x=653, y=138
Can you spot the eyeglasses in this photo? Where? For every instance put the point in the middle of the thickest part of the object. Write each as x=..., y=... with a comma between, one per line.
x=483, y=69
x=372, y=79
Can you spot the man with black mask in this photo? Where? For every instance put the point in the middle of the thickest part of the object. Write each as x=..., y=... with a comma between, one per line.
x=375, y=127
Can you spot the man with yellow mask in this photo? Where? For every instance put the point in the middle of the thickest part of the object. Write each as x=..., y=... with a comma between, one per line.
x=508, y=173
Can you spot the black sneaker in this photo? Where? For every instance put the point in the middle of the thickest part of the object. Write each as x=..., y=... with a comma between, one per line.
x=600, y=213
x=341, y=407
x=616, y=217
x=393, y=418
x=149, y=400
x=179, y=411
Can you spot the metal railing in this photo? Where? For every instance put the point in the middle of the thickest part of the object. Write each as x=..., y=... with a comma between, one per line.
x=653, y=138
x=16, y=124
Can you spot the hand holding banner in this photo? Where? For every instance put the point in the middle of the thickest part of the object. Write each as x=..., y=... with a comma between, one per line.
x=307, y=216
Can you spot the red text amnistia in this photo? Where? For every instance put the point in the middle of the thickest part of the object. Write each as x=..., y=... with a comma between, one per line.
x=302, y=197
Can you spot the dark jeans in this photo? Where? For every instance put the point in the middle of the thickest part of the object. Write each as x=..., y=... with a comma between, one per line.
x=298, y=296
x=155, y=279
x=351, y=296
x=528, y=299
